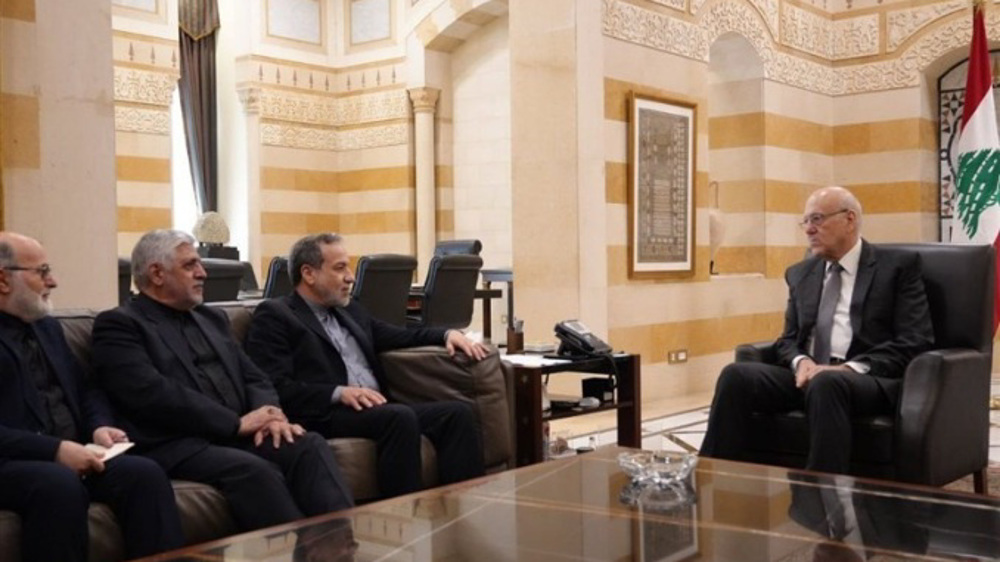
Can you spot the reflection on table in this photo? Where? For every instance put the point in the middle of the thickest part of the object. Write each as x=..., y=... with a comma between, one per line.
x=572, y=509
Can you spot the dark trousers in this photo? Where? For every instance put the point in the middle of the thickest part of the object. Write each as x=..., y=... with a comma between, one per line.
x=266, y=486
x=396, y=428
x=52, y=501
x=830, y=400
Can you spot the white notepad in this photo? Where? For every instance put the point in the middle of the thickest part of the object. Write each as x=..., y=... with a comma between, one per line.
x=112, y=451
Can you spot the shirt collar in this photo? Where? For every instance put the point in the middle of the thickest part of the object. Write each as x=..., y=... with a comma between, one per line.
x=850, y=260
x=319, y=310
x=12, y=325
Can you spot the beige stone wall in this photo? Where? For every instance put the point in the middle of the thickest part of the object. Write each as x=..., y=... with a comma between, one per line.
x=334, y=154
x=146, y=73
x=57, y=140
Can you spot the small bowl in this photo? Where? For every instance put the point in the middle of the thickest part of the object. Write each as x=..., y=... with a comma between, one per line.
x=668, y=467
x=634, y=463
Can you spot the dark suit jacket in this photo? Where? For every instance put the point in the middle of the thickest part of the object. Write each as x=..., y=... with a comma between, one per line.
x=889, y=314
x=288, y=342
x=22, y=408
x=148, y=372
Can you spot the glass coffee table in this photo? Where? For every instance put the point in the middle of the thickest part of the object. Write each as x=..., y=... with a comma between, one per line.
x=585, y=508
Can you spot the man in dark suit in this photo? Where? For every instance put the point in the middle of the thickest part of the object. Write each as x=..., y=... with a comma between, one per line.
x=856, y=315
x=321, y=351
x=196, y=404
x=47, y=410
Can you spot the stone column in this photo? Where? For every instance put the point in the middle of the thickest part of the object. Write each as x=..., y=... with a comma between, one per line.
x=424, y=100
x=250, y=99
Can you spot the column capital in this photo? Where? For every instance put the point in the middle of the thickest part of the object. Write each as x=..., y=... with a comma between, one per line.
x=250, y=98
x=424, y=99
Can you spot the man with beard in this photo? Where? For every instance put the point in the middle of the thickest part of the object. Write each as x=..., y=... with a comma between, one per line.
x=47, y=409
x=196, y=404
x=322, y=350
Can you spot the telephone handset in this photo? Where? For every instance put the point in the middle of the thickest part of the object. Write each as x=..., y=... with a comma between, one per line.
x=577, y=339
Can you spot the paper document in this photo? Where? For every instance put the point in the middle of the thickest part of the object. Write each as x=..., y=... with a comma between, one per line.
x=110, y=452
x=532, y=360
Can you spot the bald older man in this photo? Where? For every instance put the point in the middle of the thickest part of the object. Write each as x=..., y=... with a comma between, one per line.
x=856, y=315
x=47, y=410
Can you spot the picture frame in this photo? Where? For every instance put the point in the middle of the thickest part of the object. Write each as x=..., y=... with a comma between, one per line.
x=661, y=176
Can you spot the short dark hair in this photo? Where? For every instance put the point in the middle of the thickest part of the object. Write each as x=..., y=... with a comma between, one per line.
x=309, y=251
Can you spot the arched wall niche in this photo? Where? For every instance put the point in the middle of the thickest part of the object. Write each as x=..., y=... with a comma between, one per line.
x=736, y=138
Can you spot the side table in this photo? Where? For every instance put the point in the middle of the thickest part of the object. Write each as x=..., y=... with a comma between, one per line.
x=528, y=402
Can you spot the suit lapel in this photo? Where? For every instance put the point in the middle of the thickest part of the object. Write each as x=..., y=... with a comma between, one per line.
x=27, y=386
x=229, y=360
x=171, y=336
x=812, y=290
x=866, y=273
x=57, y=364
x=366, y=344
x=306, y=315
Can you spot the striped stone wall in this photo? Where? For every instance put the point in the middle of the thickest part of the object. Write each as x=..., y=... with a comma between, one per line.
x=146, y=73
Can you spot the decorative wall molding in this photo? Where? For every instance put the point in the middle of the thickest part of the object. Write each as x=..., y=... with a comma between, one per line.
x=328, y=111
x=805, y=31
x=679, y=5
x=770, y=10
x=902, y=24
x=830, y=39
x=142, y=120
x=250, y=99
x=854, y=37
x=314, y=138
x=144, y=86
x=930, y=41
x=424, y=99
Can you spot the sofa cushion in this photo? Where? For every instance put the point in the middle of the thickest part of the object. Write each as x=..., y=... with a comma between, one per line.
x=428, y=374
x=204, y=512
x=356, y=458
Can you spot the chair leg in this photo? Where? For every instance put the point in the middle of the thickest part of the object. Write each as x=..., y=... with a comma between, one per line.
x=979, y=481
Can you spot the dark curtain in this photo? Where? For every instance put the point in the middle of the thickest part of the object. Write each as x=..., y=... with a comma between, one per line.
x=199, y=21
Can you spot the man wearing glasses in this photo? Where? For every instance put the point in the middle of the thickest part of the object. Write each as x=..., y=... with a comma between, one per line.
x=856, y=315
x=47, y=410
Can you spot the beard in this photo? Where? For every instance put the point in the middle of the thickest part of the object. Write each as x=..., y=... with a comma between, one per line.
x=30, y=306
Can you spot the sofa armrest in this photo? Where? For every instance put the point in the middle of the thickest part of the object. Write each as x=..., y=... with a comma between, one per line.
x=428, y=374
x=757, y=352
x=942, y=426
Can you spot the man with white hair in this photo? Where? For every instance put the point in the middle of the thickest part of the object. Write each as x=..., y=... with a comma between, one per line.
x=196, y=404
x=47, y=409
x=856, y=315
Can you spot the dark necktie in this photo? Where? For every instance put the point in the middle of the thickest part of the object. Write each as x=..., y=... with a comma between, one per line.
x=824, y=317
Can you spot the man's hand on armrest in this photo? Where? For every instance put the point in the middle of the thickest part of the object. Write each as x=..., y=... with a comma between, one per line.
x=455, y=340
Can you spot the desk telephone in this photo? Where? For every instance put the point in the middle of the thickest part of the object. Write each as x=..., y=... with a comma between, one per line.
x=577, y=339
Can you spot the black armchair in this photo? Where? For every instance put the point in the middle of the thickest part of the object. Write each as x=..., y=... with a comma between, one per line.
x=278, y=282
x=452, y=247
x=382, y=285
x=449, y=293
x=124, y=280
x=940, y=431
x=222, y=281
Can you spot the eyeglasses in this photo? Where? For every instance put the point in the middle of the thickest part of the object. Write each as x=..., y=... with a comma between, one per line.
x=817, y=219
x=43, y=271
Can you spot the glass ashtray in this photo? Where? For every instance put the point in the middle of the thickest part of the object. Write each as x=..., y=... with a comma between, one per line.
x=659, y=467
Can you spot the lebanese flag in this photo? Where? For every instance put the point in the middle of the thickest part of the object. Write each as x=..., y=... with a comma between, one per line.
x=977, y=182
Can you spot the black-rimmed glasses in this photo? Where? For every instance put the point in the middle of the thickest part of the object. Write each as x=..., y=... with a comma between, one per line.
x=43, y=271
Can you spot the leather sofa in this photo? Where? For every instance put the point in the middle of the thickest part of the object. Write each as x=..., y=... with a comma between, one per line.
x=418, y=374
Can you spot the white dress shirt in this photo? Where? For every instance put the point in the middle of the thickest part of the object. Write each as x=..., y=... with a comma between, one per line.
x=842, y=332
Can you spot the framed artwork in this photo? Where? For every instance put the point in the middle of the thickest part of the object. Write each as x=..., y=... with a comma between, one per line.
x=661, y=165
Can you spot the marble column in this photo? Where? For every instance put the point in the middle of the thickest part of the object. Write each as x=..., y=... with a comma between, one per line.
x=250, y=100
x=424, y=101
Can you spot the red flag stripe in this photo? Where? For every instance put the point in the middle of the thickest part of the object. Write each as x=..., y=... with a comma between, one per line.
x=979, y=79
